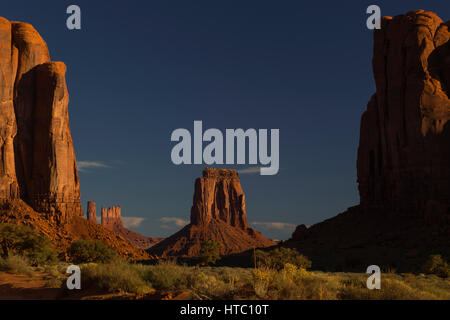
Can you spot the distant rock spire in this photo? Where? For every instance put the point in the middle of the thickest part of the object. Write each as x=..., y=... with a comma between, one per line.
x=91, y=212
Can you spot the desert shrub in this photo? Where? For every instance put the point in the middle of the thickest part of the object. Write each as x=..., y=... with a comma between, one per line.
x=293, y=283
x=435, y=264
x=16, y=264
x=279, y=257
x=210, y=286
x=54, y=274
x=55, y=283
x=261, y=281
x=391, y=289
x=24, y=241
x=116, y=276
x=167, y=275
x=209, y=252
x=84, y=251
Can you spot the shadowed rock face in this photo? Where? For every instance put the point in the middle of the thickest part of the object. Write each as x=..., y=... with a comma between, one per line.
x=218, y=213
x=404, y=153
x=37, y=160
x=403, y=156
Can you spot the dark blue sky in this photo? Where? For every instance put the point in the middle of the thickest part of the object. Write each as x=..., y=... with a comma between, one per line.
x=140, y=69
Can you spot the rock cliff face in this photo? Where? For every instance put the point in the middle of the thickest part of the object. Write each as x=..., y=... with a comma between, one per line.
x=218, y=213
x=218, y=196
x=37, y=160
x=403, y=161
x=404, y=153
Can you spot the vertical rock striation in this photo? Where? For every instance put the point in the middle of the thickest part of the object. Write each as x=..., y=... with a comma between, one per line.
x=37, y=160
x=218, y=195
x=111, y=217
x=9, y=188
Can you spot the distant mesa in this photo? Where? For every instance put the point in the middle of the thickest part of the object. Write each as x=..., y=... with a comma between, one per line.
x=218, y=213
x=111, y=219
x=403, y=162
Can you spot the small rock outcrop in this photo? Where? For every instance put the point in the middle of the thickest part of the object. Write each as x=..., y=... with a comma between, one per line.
x=37, y=159
x=111, y=217
x=91, y=212
x=218, y=213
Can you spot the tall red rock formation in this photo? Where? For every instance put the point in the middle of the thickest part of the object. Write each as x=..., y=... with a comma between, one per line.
x=9, y=188
x=218, y=195
x=37, y=160
x=404, y=153
x=91, y=212
x=218, y=213
x=403, y=161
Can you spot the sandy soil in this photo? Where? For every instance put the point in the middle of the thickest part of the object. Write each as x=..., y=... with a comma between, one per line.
x=36, y=287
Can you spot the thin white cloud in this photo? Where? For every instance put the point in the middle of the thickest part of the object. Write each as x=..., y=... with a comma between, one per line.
x=276, y=225
x=250, y=170
x=132, y=222
x=84, y=165
x=170, y=222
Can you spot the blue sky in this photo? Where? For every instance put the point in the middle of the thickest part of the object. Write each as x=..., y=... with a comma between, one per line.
x=140, y=69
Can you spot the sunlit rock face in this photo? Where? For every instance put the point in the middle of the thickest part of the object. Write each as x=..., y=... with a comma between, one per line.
x=37, y=159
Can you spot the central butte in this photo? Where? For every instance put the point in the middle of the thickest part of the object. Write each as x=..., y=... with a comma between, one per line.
x=218, y=213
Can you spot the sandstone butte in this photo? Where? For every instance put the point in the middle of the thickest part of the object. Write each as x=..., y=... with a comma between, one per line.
x=218, y=213
x=111, y=219
x=38, y=170
x=403, y=164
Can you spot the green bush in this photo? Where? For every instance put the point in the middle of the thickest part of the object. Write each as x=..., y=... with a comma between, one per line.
x=209, y=252
x=84, y=251
x=116, y=276
x=24, y=241
x=166, y=275
x=279, y=257
x=435, y=264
